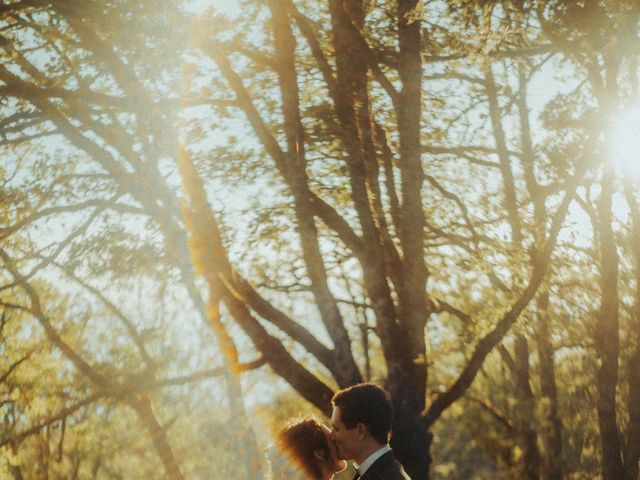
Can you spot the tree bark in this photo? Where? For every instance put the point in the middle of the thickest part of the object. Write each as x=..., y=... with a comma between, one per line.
x=295, y=175
x=552, y=423
x=632, y=446
x=407, y=376
x=606, y=335
x=210, y=257
x=351, y=74
x=142, y=406
x=525, y=414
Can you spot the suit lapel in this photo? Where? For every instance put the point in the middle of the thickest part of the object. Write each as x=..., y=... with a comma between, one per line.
x=378, y=465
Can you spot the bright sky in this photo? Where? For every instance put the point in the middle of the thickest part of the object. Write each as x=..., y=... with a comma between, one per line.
x=227, y=7
x=625, y=146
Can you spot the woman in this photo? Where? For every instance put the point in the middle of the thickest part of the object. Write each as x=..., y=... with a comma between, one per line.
x=308, y=445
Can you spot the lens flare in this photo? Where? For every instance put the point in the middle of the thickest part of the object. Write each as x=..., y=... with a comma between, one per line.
x=625, y=141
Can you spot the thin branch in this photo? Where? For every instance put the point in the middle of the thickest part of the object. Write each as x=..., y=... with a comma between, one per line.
x=101, y=204
x=129, y=325
x=493, y=410
x=203, y=375
x=15, y=365
x=65, y=412
x=489, y=341
x=304, y=25
x=461, y=205
x=36, y=309
x=439, y=306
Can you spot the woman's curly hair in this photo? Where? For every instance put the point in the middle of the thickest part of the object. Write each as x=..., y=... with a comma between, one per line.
x=299, y=439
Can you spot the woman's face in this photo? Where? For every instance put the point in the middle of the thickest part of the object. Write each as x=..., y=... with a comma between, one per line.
x=334, y=463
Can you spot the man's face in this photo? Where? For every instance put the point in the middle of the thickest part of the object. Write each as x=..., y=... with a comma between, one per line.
x=346, y=440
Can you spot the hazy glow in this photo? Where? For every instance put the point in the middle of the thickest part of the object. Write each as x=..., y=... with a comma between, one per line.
x=625, y=146
x=225, y=7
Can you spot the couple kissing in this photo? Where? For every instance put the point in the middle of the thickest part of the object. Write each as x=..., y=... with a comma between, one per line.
x=360, y=431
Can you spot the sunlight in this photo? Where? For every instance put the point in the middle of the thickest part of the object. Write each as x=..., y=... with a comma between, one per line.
x=625, y=145
x=219, y=6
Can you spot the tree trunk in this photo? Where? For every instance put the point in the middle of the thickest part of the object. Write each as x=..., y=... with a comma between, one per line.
x=524, y=416
x=295, y=175
x=552, y=423
x=411, y=443
x=606, y=336
x=142, y=406
x=632, y=446
x=408, y=387
x=414, y=308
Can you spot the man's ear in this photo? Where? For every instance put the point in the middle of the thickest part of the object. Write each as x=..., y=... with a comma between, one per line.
x=362, y=430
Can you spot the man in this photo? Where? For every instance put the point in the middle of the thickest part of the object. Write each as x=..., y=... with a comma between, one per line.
x=361, y=428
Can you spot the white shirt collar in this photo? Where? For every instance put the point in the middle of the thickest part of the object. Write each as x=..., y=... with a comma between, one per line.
x=364, y=466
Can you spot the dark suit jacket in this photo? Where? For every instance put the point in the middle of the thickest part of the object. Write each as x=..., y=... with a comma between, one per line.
x=385, y=468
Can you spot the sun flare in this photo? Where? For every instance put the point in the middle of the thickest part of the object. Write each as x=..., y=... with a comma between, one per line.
x=625, y=141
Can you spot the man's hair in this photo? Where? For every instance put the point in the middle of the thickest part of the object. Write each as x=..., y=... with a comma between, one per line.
x=368, y=404
x=299, y=439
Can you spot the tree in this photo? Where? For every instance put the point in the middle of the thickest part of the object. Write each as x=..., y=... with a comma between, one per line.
x=389, y=243
x=97, y=242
